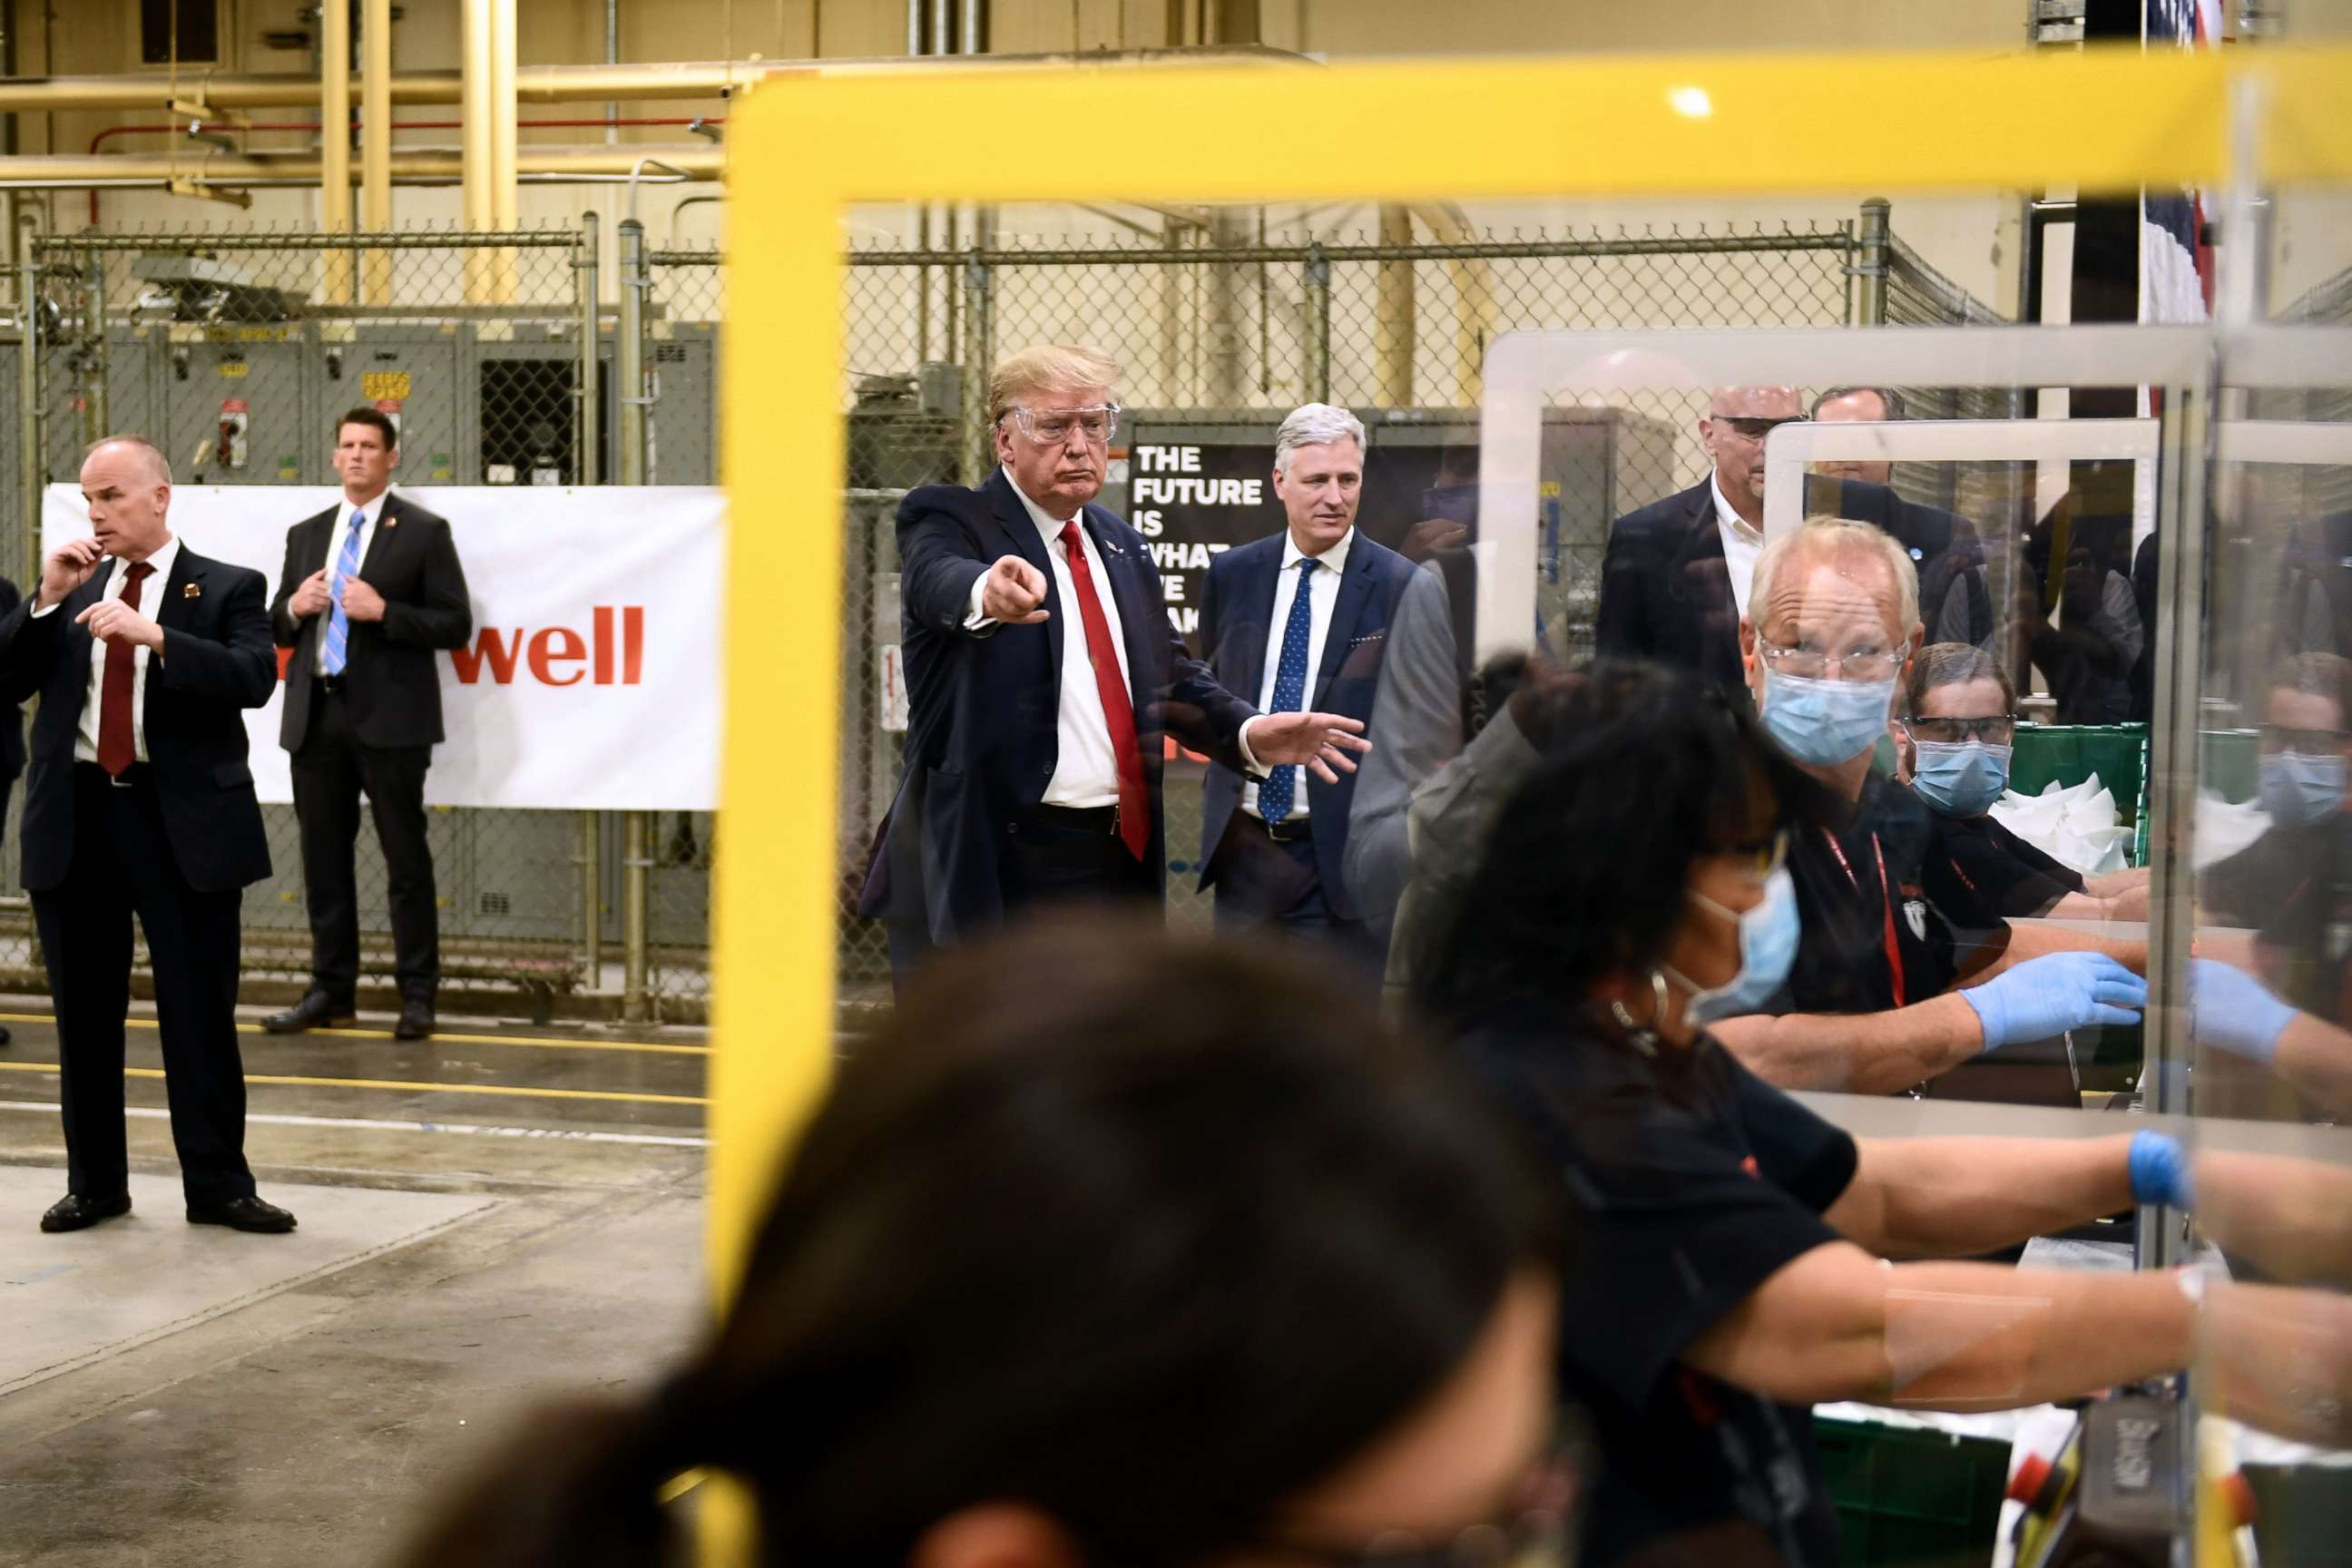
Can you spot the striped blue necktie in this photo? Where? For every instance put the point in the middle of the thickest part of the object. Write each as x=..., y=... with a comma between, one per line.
x=339, y=626
x=1279, y=793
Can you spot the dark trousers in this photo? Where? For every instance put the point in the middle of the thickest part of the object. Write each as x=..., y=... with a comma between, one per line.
x=1051, y=859
x=122, y=866
x=329, y=771
x=1260, y=882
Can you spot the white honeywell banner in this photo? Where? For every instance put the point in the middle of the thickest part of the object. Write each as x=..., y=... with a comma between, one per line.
x=592, y=680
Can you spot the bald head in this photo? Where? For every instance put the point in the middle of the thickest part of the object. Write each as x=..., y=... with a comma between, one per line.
x=1737, y=419
x=127, y=483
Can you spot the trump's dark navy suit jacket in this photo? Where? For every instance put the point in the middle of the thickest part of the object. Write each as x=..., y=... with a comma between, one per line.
x=1236, y=620
x=983, y=708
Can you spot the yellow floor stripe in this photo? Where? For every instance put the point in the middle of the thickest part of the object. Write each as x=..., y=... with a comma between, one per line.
x=517, y=1089
x=543, y=1041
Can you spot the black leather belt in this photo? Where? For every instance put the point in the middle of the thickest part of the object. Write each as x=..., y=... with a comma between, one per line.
x=1102, y=819
x=136, y=776
x=1289, y=831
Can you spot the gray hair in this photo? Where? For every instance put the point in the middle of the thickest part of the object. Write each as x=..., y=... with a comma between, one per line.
x=1316, y=424
x=1827, y=535
x=156, y=462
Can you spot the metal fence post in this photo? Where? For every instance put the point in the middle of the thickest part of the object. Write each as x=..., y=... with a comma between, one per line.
x=34, y=466
x=1870, y=265
x=96, y=422
x=979, y=326
x=1318, y=277
x=629, y=372
x=588, y=444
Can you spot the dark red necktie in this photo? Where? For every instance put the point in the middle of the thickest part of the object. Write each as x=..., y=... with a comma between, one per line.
x=1119, y=709
x=117, y=748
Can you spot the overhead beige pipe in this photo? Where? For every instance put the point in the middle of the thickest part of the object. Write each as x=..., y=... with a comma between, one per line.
x=640, y=82
x=479, y=69
x=409, y=166
x=506, y=198
x=335, y=145
x=375, y=138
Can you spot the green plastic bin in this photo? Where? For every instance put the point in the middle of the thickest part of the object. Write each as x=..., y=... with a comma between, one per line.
x=2230, y=762
x=1912, y=1497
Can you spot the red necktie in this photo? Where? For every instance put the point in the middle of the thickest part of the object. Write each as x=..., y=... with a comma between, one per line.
x=1118, y=710
x=117, y=749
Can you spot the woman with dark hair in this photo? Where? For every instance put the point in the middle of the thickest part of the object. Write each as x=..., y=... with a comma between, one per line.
x=1109, y=1249
x=1729, y=1268
x=1958, y=733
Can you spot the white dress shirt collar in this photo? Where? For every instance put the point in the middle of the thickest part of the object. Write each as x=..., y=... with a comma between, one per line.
x=373, y=509
x=1049, y=527
x=1730, y=519
x=1334, y=560
x=164, y=559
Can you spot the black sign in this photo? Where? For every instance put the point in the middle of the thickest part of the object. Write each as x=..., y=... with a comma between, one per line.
x=1193, y=500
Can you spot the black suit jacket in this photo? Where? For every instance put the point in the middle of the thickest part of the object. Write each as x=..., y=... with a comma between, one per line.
x=982, y=709
x=393, y=682
x=12, y=717
x=1236, y=620
x=1665, y=589
x=216, y=662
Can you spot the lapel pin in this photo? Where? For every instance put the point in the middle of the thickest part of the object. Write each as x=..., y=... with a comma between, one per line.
x=389, y=520
x=192, y=591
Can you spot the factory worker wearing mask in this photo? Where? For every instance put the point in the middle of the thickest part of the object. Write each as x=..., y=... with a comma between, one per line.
x=1953, y=747
x=1881, y=996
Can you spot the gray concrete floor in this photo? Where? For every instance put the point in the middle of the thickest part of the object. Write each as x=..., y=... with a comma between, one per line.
x=210, y=1401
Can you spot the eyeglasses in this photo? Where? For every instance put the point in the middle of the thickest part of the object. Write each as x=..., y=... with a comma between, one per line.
x=1812, y=664
x=1755, y=429
x=1537, y=1530
x=1098, y=423
x=2000, y=730
x=2277, y=737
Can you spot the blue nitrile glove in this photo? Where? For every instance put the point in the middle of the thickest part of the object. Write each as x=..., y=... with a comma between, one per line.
x=2159, y=1172
x=2230, y=1008
x=2042, y=998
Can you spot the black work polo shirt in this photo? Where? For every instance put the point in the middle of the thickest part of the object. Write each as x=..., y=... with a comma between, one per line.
x=1872, y=939
x=1693, y=1183
x=2294, y=887
x=1980, y=873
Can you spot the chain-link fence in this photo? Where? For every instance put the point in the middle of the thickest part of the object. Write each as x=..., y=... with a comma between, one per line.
x=235, y=353
x=238, y=352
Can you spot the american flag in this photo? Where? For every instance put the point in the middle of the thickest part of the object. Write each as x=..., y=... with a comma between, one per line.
x=2176, y=263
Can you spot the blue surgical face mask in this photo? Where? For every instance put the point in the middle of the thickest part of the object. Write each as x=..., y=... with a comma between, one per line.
x=2299, y=788
x=1825, y=722
x=1768, y=947
x=1959, y=778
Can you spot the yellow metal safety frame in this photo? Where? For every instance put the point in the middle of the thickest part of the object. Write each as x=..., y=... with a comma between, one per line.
x=803, y=151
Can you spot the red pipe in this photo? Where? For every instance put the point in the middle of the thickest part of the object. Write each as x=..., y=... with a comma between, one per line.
x=312, y=125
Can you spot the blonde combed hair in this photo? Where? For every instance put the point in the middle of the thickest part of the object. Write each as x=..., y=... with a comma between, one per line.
x=1824, y=535
x=1049, y=367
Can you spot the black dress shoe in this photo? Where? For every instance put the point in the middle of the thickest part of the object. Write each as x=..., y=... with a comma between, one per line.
x=75, y=1212
x=415, y=1020
x=243, y=1214
x=315, y=1011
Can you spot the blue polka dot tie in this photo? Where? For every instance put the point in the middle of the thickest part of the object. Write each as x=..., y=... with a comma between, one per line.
x=1279, y=793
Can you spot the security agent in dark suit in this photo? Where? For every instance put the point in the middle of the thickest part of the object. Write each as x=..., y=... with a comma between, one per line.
x=139, y=801
x=1674, y=580
x=1043, y=679
x=1299, y=619
x=370, y=591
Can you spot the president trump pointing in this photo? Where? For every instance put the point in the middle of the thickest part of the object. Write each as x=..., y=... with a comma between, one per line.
x=1044, y=680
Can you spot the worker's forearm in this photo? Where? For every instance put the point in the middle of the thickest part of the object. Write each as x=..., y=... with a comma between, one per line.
x=1973, y=1336
x=1959, y=1196
x=1868, y=1053
x=2280, y=1359
x=2028, y=941
x=2315, y=1057
x=2290, y=1218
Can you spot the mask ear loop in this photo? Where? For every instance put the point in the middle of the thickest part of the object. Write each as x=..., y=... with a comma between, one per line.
x=1645, y=1036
